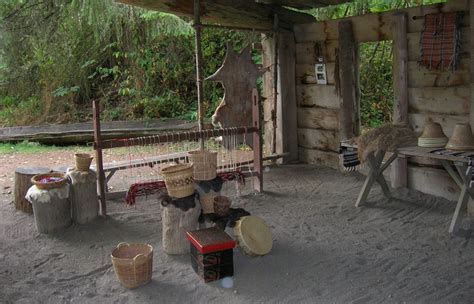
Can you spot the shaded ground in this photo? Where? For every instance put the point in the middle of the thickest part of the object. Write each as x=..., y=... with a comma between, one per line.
x=325, y=251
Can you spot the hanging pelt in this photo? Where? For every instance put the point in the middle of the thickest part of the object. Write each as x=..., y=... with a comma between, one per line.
x=386, y=138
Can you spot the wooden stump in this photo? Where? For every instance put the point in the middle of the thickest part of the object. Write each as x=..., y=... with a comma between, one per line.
x=84, y=199
x=23, y=183
x=175, y=224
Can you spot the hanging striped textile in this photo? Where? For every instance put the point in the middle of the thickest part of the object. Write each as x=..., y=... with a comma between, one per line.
x=441, y=41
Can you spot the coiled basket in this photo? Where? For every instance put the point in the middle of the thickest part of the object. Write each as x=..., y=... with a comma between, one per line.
x=179, y=180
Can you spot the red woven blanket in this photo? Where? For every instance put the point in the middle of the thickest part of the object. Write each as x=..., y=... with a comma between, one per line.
x=440, y=41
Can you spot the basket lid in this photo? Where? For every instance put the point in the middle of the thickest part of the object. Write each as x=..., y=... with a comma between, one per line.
x=210, y=240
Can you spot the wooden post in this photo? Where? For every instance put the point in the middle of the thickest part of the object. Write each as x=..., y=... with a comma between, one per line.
x=98, y=158
x=286, y=114
x=23, y=183
x=257, y=143
x=197, y=28
x=268, y=59
x=275, y=81
x=471, y=118
x=400, y=87
x=349, y=110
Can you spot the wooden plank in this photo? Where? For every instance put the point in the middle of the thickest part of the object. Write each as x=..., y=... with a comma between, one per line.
x=305, y=73
x=448, y=100
x=421, y=77
x=414, y=50
x=318, y=118
x=418, y=121
x=318, y=95
x=349, y=111
x=425, y=152
x=400, y=88
x=322, y=158
x=306, y=53
x=286, y=136
x=318, y=139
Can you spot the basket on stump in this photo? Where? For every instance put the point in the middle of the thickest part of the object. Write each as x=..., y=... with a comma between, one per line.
x=49, y=180
x=205, y=164
x=83, y=161
x=133, y=264
x=179, y=180
x=222, y=205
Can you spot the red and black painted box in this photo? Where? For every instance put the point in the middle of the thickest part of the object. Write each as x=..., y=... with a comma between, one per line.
x=212, y=256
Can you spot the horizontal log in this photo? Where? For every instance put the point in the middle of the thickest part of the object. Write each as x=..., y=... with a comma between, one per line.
x=306, y=52
x=305, y=73
x=317, y=95
x=317, y=157
x=318, y=118
x=376, y=26
x=420, y=76
x=450, y=100
x=318, y=139
x=418, y=121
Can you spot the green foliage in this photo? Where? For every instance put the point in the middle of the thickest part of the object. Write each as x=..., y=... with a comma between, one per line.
x=139, y=63
x=28, y=147
x=376, y=83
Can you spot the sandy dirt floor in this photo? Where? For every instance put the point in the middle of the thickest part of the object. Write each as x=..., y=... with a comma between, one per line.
x=325, y=250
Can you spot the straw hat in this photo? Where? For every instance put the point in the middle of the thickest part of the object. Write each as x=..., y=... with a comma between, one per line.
x=462, y=138
x=433, y=136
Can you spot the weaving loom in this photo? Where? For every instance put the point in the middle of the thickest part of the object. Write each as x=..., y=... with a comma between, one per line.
x=147, y=180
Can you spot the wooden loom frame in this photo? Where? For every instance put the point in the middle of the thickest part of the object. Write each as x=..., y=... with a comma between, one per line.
x=100, y=145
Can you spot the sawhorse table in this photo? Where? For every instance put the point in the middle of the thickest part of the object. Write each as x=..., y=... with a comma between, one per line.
x=456, y=164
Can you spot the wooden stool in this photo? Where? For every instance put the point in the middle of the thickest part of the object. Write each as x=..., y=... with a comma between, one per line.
x=23, y=183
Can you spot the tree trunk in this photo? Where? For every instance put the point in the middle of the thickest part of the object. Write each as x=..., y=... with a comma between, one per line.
x=23, y=183
x=84, y=199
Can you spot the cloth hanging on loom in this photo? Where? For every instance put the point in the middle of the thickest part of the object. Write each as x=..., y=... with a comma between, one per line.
x=441, y=41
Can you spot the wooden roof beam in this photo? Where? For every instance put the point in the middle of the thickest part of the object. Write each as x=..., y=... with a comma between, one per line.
x=242, y=13
x=303, y=4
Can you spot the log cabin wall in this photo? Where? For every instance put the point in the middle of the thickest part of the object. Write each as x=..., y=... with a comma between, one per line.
x=445, y=96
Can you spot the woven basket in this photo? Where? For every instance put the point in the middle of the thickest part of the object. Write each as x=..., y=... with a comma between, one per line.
x=221, y=205
x=36, y=180
x=207, y=202
x=83, y=161
x=133, y=264
x=205, y=164
x=179, y=180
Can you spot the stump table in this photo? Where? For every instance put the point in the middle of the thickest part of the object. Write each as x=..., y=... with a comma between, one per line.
x=84, y=199
x=176, y=223
x=23, y=183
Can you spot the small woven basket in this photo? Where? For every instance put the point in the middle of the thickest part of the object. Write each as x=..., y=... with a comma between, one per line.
x=207, y=202
x=133, y=264
x=83, y=161
x=179, y=180
x=36, y=180
x=205, y=164
x=221, y=205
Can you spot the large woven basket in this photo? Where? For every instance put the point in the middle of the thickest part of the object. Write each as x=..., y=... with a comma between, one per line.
x=83, y=161
x=205, y=164
x=37, y=180
x=179, y=180
x=133, y=264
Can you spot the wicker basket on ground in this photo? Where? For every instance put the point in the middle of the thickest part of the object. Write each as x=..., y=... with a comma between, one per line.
x=179, y=180
x=205, y=164
x=49, y=180
x=83, y=161
x=133, y=264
